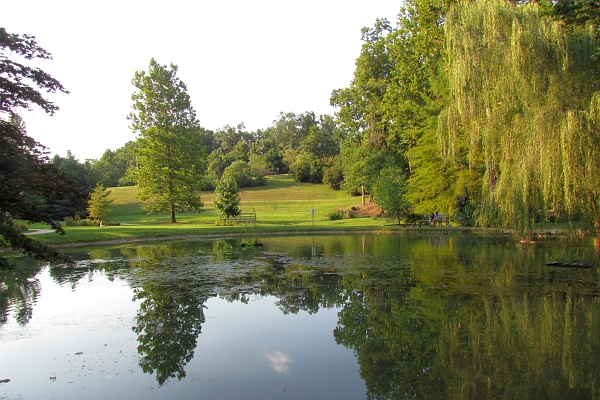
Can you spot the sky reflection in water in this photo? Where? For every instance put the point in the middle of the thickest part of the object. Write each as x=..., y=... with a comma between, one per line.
x=79, y=343
x=331, y=317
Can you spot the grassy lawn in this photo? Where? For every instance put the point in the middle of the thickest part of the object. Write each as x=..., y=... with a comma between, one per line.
x=281, y=205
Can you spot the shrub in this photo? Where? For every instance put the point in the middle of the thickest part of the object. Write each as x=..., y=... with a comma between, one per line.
x=336, y=215
x=76, y=221
x=307, y=168
x=465, y=211
x=20, y=226
x=227, y=199
x=244, y=175
x=333, y=177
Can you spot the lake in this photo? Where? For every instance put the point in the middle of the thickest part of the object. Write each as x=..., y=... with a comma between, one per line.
x=361, y=316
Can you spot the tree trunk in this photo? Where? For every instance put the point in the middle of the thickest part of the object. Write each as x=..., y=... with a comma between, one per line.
x=362, y=195
x=173, y=220
x=595, y=213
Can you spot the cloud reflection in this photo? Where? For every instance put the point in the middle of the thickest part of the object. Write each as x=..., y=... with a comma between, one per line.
x=280, y=362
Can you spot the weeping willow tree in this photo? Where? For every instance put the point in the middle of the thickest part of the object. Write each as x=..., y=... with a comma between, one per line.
x=524, y=102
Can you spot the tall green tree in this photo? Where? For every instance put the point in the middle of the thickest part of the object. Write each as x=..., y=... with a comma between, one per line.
x=525, y=102
x=28, y=181
x=413, y=100
x=83, y=175
x=320, y=142
x=390, y=192
x=81, y=172
x=170, y=153
x=365, y=124
x=289, y=129
x=99, y=204
x=578, y=13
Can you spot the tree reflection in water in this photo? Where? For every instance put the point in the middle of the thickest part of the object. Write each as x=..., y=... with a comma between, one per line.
x=524, y=348
x=446, y=318
x=19, y=290
x=168, y=324
x=171, y=311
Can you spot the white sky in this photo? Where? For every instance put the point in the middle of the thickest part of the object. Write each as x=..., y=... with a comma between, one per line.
x=242, y=60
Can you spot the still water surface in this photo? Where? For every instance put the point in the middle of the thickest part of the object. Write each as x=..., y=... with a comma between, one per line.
x=305, y=317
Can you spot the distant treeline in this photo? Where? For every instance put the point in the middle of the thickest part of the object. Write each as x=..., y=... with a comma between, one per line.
x=490, y=111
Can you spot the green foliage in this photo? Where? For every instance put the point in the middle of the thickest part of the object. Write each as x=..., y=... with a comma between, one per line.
x=28, y=182
x=362, y=118
x=412, y=218
x=390, y=192
x=289, y=129
x=84, y=177
x=112, y=169
x=227, y=197
x=578, y=13
x=80, y=172
x=361, y=167
x=434, y=181
x=464, y=210
x=99, y=204
x=243, y=174
x=307, y=167
x=170, y=151
x=21, y=84
x=524, y=103
x=320, y=143
x=259, y=163
x=336, y=215
x=333, y=177
x=76, y=221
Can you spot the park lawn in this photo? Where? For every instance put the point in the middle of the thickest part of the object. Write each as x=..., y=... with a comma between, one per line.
x=282, y=205
x=281, y=200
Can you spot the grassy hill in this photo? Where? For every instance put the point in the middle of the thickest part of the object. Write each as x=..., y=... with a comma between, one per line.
x=281, y=200
x=281, y=205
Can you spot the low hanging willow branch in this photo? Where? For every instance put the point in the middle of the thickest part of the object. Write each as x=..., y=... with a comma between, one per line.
x=524, y=101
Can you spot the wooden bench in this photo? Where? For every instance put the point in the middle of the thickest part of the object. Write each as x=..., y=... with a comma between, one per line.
x=444, y=220
x=242, y=218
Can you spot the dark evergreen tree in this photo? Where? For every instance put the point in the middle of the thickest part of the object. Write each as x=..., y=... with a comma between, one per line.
x=28, y=181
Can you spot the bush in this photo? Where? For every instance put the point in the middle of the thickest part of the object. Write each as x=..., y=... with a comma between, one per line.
x=413, y=218
x=333, y=177
x=244, y=175
x=336, y=215
x=227, y=199
x=307, y=168
x=76, y=221
x=209, y=181
x=341, y=213
x=20, y=226
x=465, y=211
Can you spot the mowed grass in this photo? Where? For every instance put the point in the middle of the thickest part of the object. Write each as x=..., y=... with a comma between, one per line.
x=281, y=205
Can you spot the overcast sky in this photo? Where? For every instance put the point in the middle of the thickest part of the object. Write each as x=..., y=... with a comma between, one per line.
x=243, y=61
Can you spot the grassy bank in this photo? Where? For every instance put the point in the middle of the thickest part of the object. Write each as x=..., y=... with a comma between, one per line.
x=281, y=206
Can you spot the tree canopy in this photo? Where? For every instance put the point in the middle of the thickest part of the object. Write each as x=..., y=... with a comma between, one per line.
x=524, y=101
x=488, y=109
x=170, y=152
x=28, y=181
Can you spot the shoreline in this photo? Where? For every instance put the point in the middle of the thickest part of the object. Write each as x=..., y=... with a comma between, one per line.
x=445, y=231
